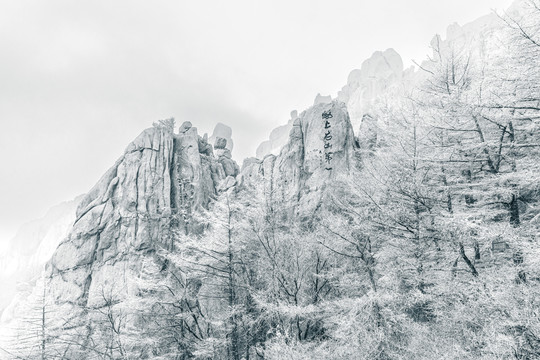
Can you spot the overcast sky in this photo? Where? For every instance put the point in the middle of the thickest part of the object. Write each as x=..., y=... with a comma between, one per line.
x=80, y=79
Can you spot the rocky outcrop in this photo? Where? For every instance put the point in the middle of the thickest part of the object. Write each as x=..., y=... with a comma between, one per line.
x=320, y=147
x=378, y=76
x=154, y=188
x=153, y=193
x=222, y=131
x=280, y=135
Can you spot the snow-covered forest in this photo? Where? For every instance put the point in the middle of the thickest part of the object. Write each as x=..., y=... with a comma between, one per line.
x=414, y=237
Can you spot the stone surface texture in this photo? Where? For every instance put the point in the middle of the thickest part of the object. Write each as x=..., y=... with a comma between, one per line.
x=157, y=184
x=295, y=178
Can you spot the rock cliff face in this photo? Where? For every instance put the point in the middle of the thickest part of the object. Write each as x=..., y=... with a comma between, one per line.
x=280, y=135
x=320, y=147
x=163, y=178
x=156, y=186
x=155, y=190
x=378, y=76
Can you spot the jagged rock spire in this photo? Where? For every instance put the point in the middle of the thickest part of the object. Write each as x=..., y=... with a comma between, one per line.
x=155, y=186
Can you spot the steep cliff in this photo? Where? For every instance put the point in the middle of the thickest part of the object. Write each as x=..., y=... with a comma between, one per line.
x=320, y=147
x=380, y=75
x=280, y=135
x=153, y=189
x=163, y=178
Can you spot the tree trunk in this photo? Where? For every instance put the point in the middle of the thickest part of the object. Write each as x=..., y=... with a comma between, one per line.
x=234, y=353
x=466, y=259
x=514, y=211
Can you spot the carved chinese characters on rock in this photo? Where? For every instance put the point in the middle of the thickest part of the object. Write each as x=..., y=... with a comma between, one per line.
x=328, y=154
